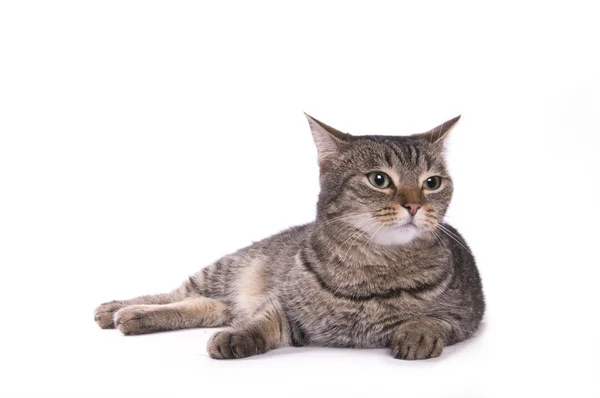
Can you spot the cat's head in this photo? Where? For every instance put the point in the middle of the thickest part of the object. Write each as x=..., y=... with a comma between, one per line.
x=393, y=188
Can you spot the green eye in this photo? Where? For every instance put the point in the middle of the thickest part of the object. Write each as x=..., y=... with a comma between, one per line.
x=432, y=183
x=379, y=180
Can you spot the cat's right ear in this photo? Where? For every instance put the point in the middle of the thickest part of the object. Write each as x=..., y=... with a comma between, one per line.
x=329, y=141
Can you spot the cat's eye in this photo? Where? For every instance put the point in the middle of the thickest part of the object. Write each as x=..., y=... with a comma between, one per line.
x=379, y=180
x=432, y=183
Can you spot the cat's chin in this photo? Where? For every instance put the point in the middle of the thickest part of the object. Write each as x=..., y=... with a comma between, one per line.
x=396, y=235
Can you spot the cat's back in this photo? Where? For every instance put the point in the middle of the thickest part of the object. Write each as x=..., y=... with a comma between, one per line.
x=256, y=269
x=285, y=243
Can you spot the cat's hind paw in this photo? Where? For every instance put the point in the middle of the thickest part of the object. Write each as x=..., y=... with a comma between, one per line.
x=136, y=319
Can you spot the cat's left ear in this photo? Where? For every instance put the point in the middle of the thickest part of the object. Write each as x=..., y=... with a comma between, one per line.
x=438, y=134
x=329, y=141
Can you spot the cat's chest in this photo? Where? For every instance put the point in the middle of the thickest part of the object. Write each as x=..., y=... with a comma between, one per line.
x=357, y=306
x=320, y=318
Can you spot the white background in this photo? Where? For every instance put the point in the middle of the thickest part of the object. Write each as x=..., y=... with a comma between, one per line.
x=142, y=140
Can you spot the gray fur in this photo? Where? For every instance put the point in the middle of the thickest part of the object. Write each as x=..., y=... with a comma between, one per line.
x=353, y=278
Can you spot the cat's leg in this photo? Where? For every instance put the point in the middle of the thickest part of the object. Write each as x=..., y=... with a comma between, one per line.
x=421, y=338
x=104, y=313
x=265, y=330
x=192, y=287
x=191, y=312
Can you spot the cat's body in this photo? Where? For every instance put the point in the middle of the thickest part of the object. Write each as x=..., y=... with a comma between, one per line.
x=356, y=277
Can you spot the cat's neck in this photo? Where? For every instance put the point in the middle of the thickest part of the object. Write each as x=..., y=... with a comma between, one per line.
x=337, y=237
x=346, y=261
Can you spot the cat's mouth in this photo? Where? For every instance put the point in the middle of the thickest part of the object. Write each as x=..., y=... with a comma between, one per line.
x=406, y=226
x=399, y=233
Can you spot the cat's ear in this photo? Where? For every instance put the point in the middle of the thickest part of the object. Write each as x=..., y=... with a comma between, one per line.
x=329, y=141
x=438, y=134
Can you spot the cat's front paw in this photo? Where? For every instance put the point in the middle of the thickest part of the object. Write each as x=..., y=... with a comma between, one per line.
x=104, y=314
x=417, y=344
x=232, y=344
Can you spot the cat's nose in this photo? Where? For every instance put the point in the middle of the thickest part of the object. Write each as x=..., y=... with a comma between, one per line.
x=412, y=208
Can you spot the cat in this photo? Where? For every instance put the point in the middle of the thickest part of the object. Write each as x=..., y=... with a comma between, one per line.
x=377, y=268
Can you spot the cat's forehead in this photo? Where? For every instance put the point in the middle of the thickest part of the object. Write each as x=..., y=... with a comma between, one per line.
x=403, y=153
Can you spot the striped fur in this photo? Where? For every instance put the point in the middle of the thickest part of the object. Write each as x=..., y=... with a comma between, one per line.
x=359, y=276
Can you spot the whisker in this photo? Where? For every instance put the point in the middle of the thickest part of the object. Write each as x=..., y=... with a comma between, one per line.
x=345, y=228
x=372, y=235
x=439, y=238
x=450, y=232
x=363, y=232
x=360, y=231
x=340, y=218
x=447, y=232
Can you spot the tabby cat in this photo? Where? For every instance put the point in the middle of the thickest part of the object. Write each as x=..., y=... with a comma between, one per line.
x=378, y=267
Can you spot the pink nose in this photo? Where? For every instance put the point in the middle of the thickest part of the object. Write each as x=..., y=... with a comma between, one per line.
x=412, y=208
